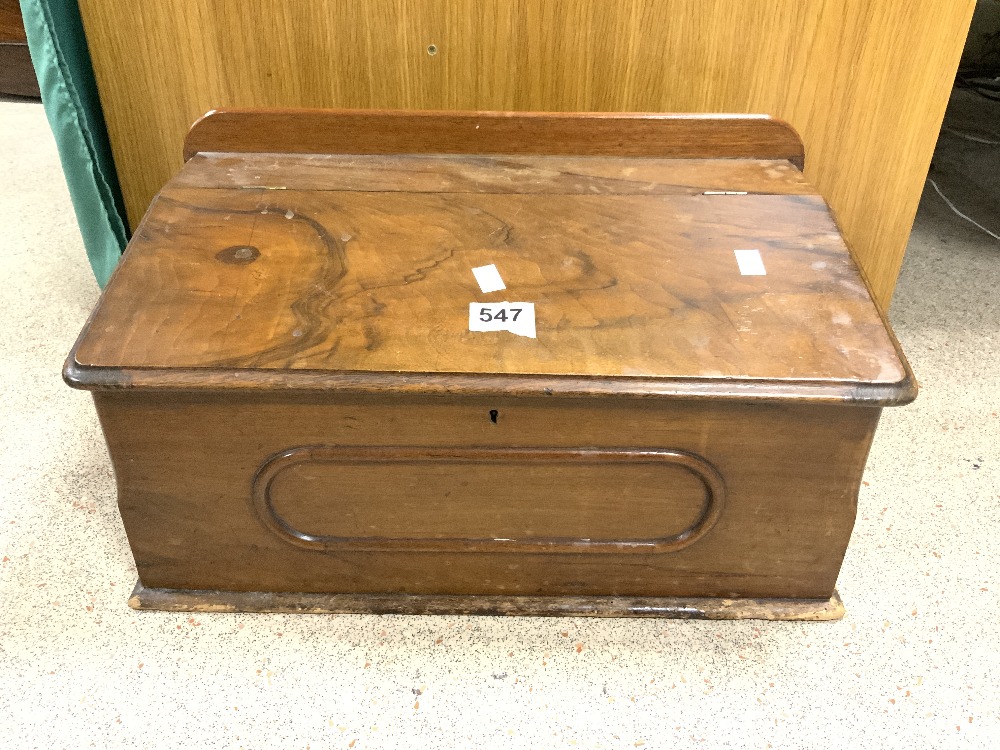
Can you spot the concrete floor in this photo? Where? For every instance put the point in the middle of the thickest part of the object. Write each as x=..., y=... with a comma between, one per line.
x=915, y=663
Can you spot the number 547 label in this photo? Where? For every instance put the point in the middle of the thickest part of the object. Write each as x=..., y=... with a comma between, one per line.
x=516, y=317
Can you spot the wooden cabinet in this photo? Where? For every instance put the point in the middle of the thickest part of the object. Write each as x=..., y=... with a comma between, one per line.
x=865, y=83
x=17, y=75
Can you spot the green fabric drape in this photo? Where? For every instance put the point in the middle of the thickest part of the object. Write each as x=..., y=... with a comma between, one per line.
x=69, y=94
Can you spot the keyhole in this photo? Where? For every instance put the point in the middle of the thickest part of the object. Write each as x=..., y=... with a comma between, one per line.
x=493, y=415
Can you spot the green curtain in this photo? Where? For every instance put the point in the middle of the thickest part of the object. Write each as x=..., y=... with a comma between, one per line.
x=69, y=94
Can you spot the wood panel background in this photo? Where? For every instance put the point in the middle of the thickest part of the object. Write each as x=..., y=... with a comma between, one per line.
x=865, y=82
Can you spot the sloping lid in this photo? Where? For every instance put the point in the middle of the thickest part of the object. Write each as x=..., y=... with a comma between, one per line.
x=355, y=273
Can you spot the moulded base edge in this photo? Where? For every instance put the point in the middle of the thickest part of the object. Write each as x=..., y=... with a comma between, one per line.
x=684, y=608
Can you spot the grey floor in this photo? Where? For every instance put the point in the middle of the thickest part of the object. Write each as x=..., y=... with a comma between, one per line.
x=914, y=664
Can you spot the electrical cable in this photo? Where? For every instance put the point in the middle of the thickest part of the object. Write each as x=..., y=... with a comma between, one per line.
x=970, y=137
x=954, y=208
x=988, y=89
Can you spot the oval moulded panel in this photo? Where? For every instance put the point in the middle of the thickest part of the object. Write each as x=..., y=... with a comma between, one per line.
x=488, y=499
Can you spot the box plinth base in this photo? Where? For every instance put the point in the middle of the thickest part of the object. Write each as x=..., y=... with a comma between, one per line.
x=683, y=608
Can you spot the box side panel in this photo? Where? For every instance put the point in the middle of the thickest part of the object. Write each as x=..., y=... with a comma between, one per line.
x=189, y=468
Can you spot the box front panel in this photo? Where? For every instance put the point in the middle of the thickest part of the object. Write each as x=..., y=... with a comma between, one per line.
x=260, y=492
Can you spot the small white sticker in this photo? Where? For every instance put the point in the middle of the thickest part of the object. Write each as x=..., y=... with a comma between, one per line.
x=516, y=317
x=488, y=278
x=750, y=262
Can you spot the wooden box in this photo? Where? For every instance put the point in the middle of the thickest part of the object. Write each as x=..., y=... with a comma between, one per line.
x=300, y=418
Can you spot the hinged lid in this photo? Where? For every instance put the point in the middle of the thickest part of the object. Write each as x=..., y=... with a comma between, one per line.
x=354, y=273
